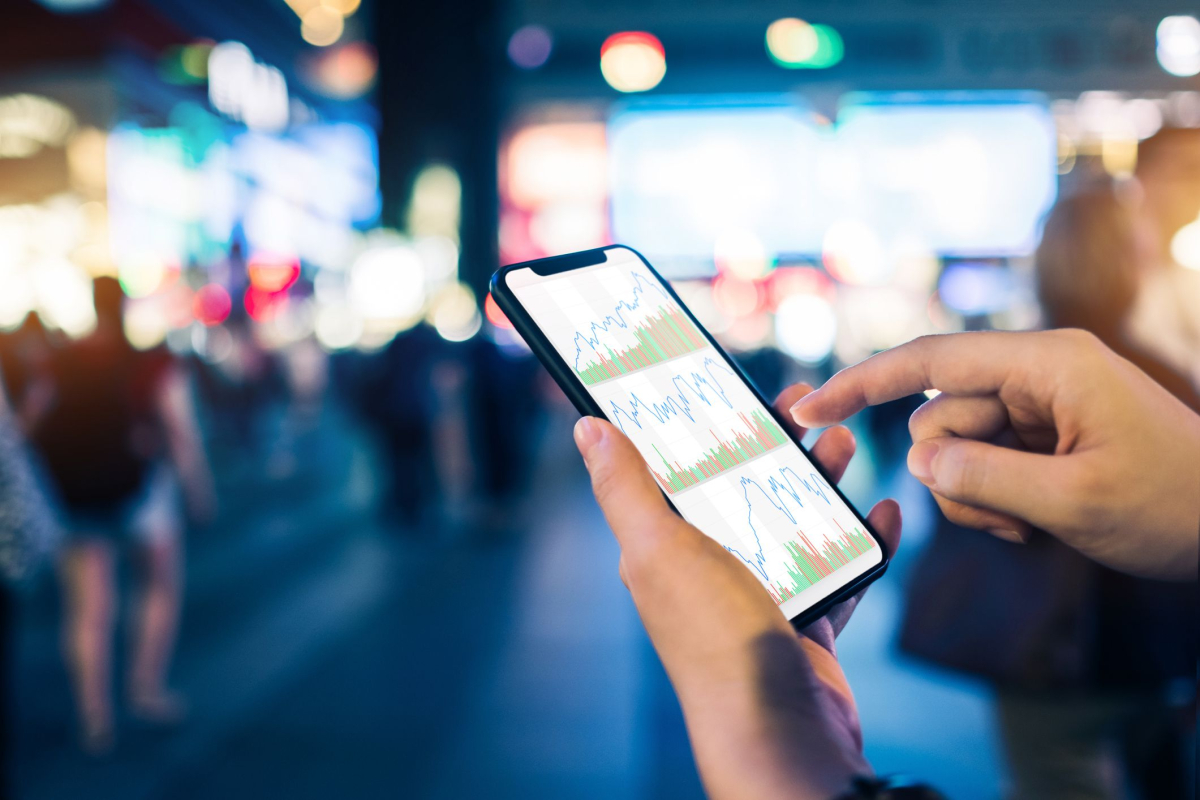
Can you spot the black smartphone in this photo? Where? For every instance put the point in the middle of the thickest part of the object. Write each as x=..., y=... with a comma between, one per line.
x=622, y=345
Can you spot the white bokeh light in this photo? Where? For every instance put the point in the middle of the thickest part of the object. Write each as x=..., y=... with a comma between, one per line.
x=1179, y=45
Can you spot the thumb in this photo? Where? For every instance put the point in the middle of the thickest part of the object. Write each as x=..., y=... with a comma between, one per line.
x=1028, y=486
x=630, y=499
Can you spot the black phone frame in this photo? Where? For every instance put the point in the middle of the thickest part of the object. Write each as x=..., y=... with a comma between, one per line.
x=577, y=393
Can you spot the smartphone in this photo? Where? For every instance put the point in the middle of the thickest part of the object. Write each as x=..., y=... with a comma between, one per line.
x=623, y=346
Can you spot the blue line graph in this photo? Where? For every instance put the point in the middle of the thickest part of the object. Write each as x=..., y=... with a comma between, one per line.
x=816, y=487
x=592, y=337
x=702, y=385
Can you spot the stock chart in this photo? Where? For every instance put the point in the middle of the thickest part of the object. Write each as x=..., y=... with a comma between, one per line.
x=716, y=451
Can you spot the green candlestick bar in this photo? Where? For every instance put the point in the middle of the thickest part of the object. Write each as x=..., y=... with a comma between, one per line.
x=663, y=336
x=764, y=435
x=810, y=565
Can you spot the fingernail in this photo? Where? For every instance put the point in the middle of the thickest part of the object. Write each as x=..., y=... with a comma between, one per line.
x=798, y=408
x=587, y=433
x=1007, y=535
x=920, y=461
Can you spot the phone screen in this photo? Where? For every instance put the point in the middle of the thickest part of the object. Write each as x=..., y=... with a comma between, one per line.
x=718, y=454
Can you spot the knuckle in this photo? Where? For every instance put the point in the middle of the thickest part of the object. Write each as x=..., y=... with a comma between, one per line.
x=920, y=421
x=846, y=437
x=1083, y=344
x=965, y=474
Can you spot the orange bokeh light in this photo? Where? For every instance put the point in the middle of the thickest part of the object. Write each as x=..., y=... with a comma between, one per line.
x=494, y=314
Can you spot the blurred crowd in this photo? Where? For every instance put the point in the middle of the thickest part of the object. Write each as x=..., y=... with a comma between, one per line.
x=105, y=460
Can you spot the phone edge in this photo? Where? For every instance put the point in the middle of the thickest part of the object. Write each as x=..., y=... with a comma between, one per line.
x=577, y=393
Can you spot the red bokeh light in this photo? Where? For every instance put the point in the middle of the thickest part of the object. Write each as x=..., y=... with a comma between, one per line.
x=736, y=298
x=632, y=37
x=211, y=304
x=787, y=281
x=263, y=306
x=494, y=314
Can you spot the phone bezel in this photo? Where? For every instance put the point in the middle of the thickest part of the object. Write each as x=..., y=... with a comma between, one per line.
x=577, y=393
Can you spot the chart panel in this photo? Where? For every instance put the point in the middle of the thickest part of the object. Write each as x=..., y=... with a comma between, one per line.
x=722, y=458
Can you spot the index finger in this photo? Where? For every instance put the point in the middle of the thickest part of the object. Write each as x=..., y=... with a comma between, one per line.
x=958, y=363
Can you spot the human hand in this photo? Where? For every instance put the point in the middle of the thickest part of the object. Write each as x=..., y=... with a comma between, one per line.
x=1048, y=429
x=768, y=711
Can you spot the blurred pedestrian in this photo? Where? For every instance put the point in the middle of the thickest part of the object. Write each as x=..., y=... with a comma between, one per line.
x=25, y=355
x=118, y=437
x=1082, y=657
x=507, y=410
x=27, y=531
x=399, y=396
x=1165, y=319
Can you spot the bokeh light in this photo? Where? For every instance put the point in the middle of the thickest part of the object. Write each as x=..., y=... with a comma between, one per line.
x=547, y=163
x=748, y=333
x=454, y=313
x=741, y=254
x=16, y=300
x=735, y=297
x=337, y=327
x=494, y=314
x=1178, y=45
x=853, y=254
x=530, y=46
x=263, y=306
x=787, y=281
x=806, y=327
x=794, y=44
x=143, y=274
x=193, y=59
x=791, y=42
x=321, y=26
x=211, y=304
x=345, y=72
x=29, y=122
x=633, y=61
x=145, y=324
x=343, y=7
x=567, y=226
x=435, y=206
x=271, y=272
x=64, y=296
x=386, y=284
x=1185, y=245
x=971, y=287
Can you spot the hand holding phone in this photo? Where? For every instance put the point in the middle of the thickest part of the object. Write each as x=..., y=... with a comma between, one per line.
x=624, y=348
x=753, y=692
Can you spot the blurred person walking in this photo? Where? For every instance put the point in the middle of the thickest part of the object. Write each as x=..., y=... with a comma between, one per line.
x=117, y=437
x=399, y=393
x=1165, y=319
x=1083, y=658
